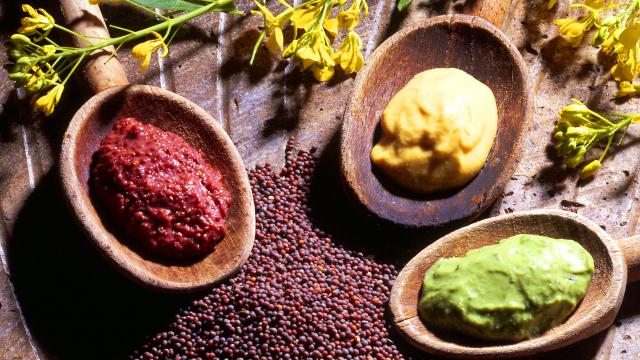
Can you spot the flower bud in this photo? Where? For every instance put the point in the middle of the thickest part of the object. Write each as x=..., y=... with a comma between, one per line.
x=590, y=169
x=20, y=78
x=578, y=131
x=20, y=40
x=16, y=53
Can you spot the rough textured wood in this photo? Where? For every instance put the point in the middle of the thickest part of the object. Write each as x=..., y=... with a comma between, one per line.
x=101, y=71
x=169, y=112
x=208, y=64
x=595, y=312
x=458, y=41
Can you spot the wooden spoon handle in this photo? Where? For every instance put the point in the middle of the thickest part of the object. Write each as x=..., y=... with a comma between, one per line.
x=86, y=19
x=631, y=249
x=495, y=11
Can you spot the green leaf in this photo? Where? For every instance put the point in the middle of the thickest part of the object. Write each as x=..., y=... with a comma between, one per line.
x=179, y=5
x=402, y=4
x=190, y=5
x=226, y=6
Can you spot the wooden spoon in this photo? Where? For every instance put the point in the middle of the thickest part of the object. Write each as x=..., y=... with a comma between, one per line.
x=460, y=41
x=616, y=262
x=114, y=99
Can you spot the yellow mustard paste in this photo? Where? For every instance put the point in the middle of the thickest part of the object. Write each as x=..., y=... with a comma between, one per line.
x=437, y=131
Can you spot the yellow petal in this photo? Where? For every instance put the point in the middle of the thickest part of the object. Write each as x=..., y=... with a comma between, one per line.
x=322, y=73
x=268, y=16
x=308, y=54
x=29, y=10
x=331, y=25
x=629, y=36
x=572, y=30
x=49, y=18
x=625, y=69
x=626, y=89
x=595, y=4
x=326, y=55
x=291, y=49
x=303, y=16
x=48, y=102
x=48, y=50
x=275, y=43
x=142, y=52
x=348, y=19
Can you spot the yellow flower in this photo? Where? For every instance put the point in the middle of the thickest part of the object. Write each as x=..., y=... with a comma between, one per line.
x=37, y=20
x=590, y=169
x=315, y=52
x=48, y=102
x=273, y=27
x=37, y=80
x=572, y=30
x=628, y=38
x=348, y=19
x=626, y=68
x=551, y=3
x=627, y=65
x=349, y=56
x=142, y=52
x=627, y=89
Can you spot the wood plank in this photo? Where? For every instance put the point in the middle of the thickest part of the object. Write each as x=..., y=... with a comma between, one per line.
x=262, y=106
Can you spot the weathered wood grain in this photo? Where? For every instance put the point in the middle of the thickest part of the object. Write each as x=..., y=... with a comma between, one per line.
x=260, y=107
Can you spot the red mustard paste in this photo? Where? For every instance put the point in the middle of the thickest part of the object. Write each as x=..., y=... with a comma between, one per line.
x=160, y=190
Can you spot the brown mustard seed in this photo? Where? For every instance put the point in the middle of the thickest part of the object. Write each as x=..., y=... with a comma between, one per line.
x=299, y=295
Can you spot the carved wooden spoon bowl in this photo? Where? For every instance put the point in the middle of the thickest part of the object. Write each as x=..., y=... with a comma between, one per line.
x=466, y=42
x=169, y=112
x=616, y=262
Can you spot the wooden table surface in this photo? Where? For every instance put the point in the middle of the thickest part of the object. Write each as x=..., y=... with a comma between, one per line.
x=69, y=297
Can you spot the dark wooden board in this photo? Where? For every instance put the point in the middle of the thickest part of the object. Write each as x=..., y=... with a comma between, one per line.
x=260, y=107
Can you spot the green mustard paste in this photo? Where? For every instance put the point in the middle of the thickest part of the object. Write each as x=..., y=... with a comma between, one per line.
x=514, y=290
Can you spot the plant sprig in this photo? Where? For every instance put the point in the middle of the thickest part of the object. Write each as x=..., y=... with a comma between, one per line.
x=618, y=36
x=43, y=67
x=580, y=129
x=313, y=34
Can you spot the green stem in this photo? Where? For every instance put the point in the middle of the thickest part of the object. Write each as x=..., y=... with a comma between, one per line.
x=51, y=42
x=323, y=13
x=72, y=33
x=628, y=11
x=606, y=149
x=255, y=47
x=144, y=32
x=173, y=35
x=75, y=66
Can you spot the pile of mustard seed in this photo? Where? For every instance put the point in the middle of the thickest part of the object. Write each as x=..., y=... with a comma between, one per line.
x=299, y=295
